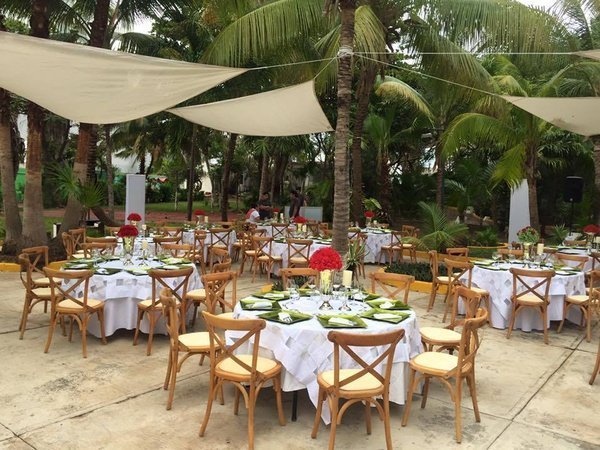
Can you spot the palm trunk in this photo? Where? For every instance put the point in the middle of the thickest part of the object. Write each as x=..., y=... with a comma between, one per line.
x=596, y=204
x=264, y=172
x=341, y=193
x=441, y=169
x=367, y=80
x=226, y=174
x=7, y=173
x=192, y=173
x=109, y=174
x=531, y=171
x=34, y=231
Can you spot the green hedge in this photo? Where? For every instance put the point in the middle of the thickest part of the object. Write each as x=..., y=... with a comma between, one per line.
x=420, y=271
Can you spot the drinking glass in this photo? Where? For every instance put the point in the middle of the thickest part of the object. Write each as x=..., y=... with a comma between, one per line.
x=496, y=258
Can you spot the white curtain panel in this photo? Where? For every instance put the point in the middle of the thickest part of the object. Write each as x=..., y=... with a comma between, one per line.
x=93, y=85
x=576, y=114
x=282, y=112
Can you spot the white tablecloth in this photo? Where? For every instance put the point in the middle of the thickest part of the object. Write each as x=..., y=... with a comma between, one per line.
x=281, y=249
x=188, y=238
x=499, y=284
x=373, y=243
x=304, y=350
x=121, y=293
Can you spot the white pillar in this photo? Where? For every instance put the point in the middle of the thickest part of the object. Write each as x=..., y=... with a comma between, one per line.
x=135, y=195
x=519, y=210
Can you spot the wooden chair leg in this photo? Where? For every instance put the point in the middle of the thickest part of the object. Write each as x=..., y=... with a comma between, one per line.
x=173, y=380
x=211, y=396
x=251, y=408
x=84, y=321
x=411, y=389
x=564, y=316
x=473, y=392
x=50, y=332
x=152, y=320
x=434, y=288
x=277, y=387
x=101, y=322
x=24, y=316
x=334, y=420
x=320, y=401
x=236, y=401
x=511, y=322
x=386, y=422
x=140, y=314
x=544, y=319
x=425, y=392
x=596, y=367
x=169, y=368
x=588, y=323
x=368, y=416
x=457, y=411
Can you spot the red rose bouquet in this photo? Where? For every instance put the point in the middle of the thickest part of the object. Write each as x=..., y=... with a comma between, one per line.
x=127, y=231
x=134, y=216
x=300, y=219
x=591, y=229
x=276, y=210
x=528, y=235
x=369, y=214
x=199, y=212
x=325, y=258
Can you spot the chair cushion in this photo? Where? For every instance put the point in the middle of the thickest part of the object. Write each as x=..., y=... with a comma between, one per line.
x=434, y=362
x=367, y=382
x=577, y=299
x=267, y=257
x=42, y=292
x=70, y=305
x=263, y=365
x=298, y=261
x=196, y=294
x=443, y=279
x=440, y=335
x=42, y=281
x=148, y=303
x=530, y=299
x=226, y=315
x=480, y=291
x=199, y=341
x=250, y=252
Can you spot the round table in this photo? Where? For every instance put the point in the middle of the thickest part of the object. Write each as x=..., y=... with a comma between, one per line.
x=498, y=281
x=578, y=252
x=375, y=239
x=121, y=293
x=304, y=350
x=280, y=248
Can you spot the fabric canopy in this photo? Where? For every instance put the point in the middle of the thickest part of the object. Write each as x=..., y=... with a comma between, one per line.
x=577, y=114
x=593, y=54
x=282, y=112
x=93, y=85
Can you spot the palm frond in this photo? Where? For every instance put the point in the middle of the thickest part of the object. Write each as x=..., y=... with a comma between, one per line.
x=395, y=90
x=509, y=168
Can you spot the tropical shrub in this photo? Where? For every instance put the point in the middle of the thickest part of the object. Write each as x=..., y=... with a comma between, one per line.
x=488, y=237
x=421, y=271
x=437, y=232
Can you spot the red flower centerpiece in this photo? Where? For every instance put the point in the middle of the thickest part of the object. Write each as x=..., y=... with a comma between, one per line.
x=199, y=212
x=369, y=214
x=276, y=210
x=127, y=231
x=591, y=229
x=325, y=260
x=134, y=218
x=300, y=219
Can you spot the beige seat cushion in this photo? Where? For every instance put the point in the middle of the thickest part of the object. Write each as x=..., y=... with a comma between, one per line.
x=199, y=341
x=298, y=261
x=250, y=252
x=226, y=315
x=530, y=299
x=267, y=257
x=70, y=305
x=42, y=292
x=577, y=299
x=263, y=365
x=440, y=335
x=148, y=303
x=196, y=294
x=42, y=281
x=435, y=362
x=367, y=382
x=480, y=291
x=443, y=279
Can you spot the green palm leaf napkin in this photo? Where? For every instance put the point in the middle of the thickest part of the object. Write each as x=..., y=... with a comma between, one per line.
x=383, y=315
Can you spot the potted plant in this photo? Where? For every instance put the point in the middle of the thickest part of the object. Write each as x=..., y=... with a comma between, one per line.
x=354, y=257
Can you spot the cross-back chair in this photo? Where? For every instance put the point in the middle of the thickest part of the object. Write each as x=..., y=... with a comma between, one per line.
x=445, y=368
x=353, y=232
x=175, y=280
x=505, y=253
x=79, y=237
x=248, y=251
x=279, y=230
x=38, y=257
x=68, y=244
x=101, y=240
x=307, y=275
x=199, y=251
x=102, y=248
x=457, y=251
x=219, y=240
x=247, y=372
x=437, y=280
x=199, y=296
x=409, y=231
x=362, y=385
x=159, y=241
x=65, y=302
x=392, y=247
x=456, y=269
x=178, y=250
x=111, y=231
x=264, y=258
x=216, y=286
x=188, y=344
x=595, y=257
x=313, y=228
x=394, y=285
x=34, y=293
x=172, y=231
x=586, y=303
x=575, y=261
x=526, y=284
x=298, y=251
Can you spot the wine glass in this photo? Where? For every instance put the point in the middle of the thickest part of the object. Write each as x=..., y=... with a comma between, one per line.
x=293, y=288
x=496, y=258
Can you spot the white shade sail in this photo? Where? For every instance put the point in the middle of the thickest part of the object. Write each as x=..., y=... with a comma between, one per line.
x=593, y=54
x=99, y=86
x=282, y=112
x=580, y=115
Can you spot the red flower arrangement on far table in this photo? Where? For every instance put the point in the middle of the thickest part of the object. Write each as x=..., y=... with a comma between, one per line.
x=127, y=231
x=199, y=212
x=276, y=210
x=300, y=219
x=325, y=258
x=134, y=216
x=369, y=214
x=591, y=229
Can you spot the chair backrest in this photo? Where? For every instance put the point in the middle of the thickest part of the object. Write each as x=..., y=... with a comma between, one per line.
x=37, y=256
x=220, y=350
x=224, y=266
x=68, y=243
x=353, y=233
x=595, y=255
x=112, y=231
x=323, y=226
x=101, y=240
x=395, y=238
x=262, y=244
x=78, y=235
x=309, y=276
x=159, y=241
x=26, y=272
x=178, y=250
x=175, y=280
x=574, y=243
x=457, y=251
x=215, y=286
x=516, y=252
x=278, y=230
x=220, y=237
x=576, y=261
x=409, y=231
x=344, y=341
x=172, y=231
x=313, y=228
x=528, y=281
x=199, y=242
x=67, y=291
x=457, y=269
x=298, y=248
x=394, y=285
x=434, y=263
x=103, y=248
x=470, y=341
x=471, y=300
x=169, y=304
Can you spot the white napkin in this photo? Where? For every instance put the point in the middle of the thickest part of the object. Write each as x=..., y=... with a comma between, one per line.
x=283, y=316
x=262, y=305
x=340, y=321
x=385, y=316
x=271, y=295
x=386, y=305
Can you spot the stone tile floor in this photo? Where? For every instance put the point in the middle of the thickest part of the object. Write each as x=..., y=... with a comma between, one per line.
x=531, y=395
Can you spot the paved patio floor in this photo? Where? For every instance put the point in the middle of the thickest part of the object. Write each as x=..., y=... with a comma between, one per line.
x=531, y=395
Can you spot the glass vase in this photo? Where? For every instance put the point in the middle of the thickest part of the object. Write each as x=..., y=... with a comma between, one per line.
x=128, y=249
x=325, y=283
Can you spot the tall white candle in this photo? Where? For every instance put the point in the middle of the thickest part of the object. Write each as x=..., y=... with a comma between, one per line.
x=144, y=244
x=281, y=217
x=540, y=248
x=205, y=219
x=144, y=227
x=347, y=278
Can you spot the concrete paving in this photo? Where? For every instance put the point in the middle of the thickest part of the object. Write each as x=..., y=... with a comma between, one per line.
x=531, y=395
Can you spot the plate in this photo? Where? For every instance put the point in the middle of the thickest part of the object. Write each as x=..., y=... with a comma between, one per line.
x=398, y=304
x=107, y=271
x=247, y=304
x=137, y=272
x=296, y=317
x=400, y=316
x=357, y=321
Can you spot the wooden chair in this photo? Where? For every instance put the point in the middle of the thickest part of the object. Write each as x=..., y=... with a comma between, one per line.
x=394, y=285
x=530, y=298
x=505, y=253
x=247, y=372
x=248, y=251
x=237, y=248
x=362, y=385
x=446, y=367
x=298, y=251
x=189, y=344
x=198, y=296
x=353, y=233
x=102, y=248
x=159, y=241
x=79, y=237
x=177, y=281
x=405, y=246
x=216, y=286
x=596, y=367
x=34, y=293
x=575, y=261
x=587, y=304
x=171, y=231
x=437, y=280
x=179, y=250
x=448, y=338
x=457, y=251
x=65, y=303
x=219, y=239
x=391, y=248
x=456, y=269
x=309, y=276
x=576, y=243
x=313, y=228
x=73, y=251
x=409, y=231
x=323, y=226
x=595, y=256
x=279, y=230
x=111, y=231
x=38, y=256
x=101, y=240
x=198, y=250
x=264, y=259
